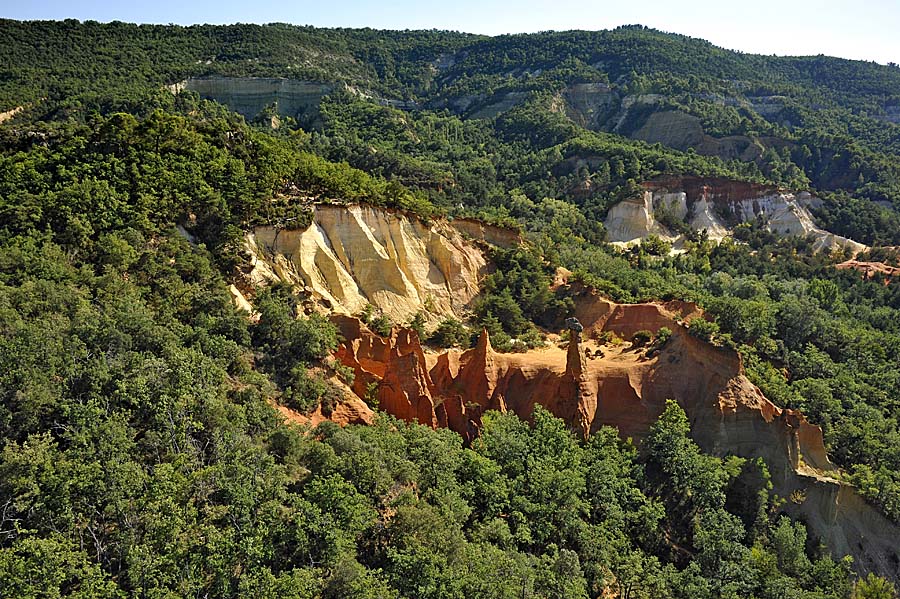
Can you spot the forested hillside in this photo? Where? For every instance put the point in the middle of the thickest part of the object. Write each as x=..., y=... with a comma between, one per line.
x=140, y=450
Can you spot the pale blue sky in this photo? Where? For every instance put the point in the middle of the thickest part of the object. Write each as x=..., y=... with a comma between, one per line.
x=862, y=29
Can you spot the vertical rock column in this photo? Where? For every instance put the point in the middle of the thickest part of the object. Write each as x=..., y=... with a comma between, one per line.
x=585, y=396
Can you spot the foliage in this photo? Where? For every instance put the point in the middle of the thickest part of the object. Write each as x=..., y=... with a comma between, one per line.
x=642, y=337
x=873, y=587
x=382, y=325
x=655, y=246
x=516, y=296
x=418, y=324
x=662, y=336
x=140, y=453
x=703, y=329
x=450, y=333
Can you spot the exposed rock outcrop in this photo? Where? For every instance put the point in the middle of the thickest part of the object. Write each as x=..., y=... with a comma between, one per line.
x=590, y=104
x=717, y=205
x=349, y=411
x=351, y=256
x=240, y=302
x=623, y=387
x=683, y=131
x=290, y=97
x=499, y=104
x=627, y=388
x=250, y=95
x=9, y=114
x=870, y=269
x=487, y=233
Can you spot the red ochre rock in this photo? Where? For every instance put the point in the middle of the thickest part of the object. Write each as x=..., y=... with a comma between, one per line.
x=620, y=386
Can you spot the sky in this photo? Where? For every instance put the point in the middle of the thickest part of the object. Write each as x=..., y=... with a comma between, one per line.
x=861, y=29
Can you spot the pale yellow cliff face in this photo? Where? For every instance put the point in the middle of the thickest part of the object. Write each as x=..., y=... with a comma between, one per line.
x=356, y=255
x=5, y=116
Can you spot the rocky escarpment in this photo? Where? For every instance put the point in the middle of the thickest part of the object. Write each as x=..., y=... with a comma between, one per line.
x=590, y=104
x=590, y=386
x=870, y=270
x=651, y=118
x=716, y=206
x=683, y=131
x=351, y=256
x=251, y=95
x=487, y=233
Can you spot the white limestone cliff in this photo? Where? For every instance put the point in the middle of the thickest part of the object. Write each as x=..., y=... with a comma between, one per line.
x=717, y=212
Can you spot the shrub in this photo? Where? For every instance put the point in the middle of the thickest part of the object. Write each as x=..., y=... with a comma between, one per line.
x=642, y=337
x=656, y=246
x=703, y=329
x=662, y=336
x=303, y=391
x=418, y=324
x=381, y=324
x=609, y=338
x=450, y=333
x=366, y=314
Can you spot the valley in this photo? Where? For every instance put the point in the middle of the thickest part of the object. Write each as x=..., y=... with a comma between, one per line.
x=320, y=313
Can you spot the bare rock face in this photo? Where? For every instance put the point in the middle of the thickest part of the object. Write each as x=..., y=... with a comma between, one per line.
x=717, y=205
x=351, y=410
x=632, y=220
x=351, y=256
x=589, y=386
x=584, y=384
x=237, y=297
x=589, y=104
x=7, y=115
x=683, y=131
x=487, y=233
x=870, y=269
x=393, y=369
x=498, y=106
x=250, y=95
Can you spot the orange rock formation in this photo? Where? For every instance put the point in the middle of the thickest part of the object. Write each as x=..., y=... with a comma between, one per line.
x=589, y=386
x=870, y=269
x=617, y=385
x=351, y=410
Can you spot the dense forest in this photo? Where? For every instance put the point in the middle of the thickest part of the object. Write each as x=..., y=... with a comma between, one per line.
x=140, y=453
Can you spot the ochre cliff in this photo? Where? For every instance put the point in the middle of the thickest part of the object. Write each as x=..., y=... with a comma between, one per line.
x=487, y=233
x=590, y=384
x=351, y=256
x=717, y=205
x=587, y=383
x=870, y=270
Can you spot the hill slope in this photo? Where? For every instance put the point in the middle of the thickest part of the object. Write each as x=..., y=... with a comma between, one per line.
x=143, y=444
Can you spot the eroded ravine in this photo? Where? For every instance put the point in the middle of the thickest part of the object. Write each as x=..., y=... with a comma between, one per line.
x=627, y=390
x=351, y=256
